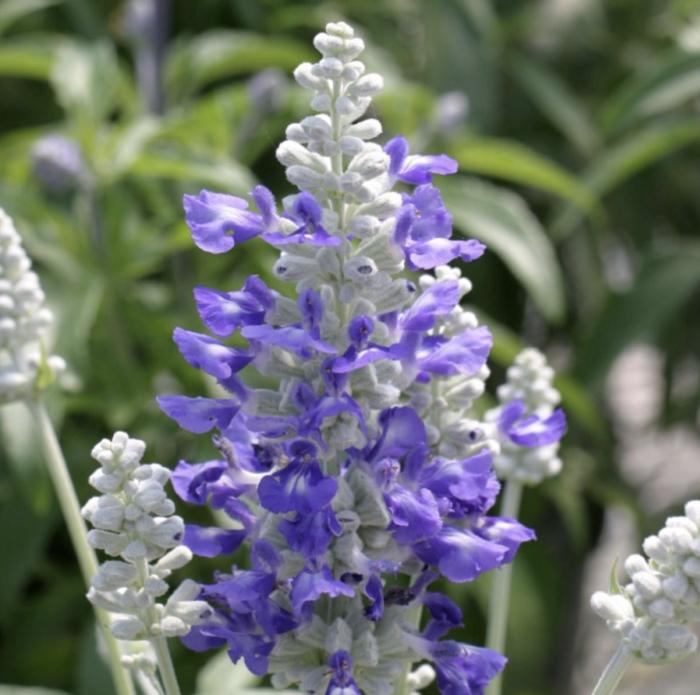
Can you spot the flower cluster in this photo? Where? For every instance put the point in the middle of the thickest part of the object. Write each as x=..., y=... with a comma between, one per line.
x=364, y=476
x=133, y=519
x=24, y=320
x=527, y=425
x=651, y=612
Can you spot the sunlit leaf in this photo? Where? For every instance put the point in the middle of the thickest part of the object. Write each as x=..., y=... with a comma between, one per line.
x=12, y=11
x=511, y=161
x=502, y=220
x=29, y=58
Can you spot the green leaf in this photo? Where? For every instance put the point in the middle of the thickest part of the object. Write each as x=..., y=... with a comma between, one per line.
x=218, y=54
x=227, y=175
x=663, y=284
x=557, y=102
x=669, y=82
x=26, y=58
x=502, y=220
x=622, y=161
x=511, y=161
x=12, y=11
x=22, y=690
x=221, y=677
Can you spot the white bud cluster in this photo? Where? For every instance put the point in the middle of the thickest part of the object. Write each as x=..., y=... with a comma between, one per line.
x=529, y=379
x=24, y=320
x=651, y=612
x=133, y=519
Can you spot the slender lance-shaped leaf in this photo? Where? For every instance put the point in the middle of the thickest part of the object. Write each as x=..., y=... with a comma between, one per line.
x=26, y=58
x=219, y=54
x=557, y=102
x=664, y=283
x=502, y=220
x=622, y=161
x=668, y=83
x=511, y=161
x=12, y=11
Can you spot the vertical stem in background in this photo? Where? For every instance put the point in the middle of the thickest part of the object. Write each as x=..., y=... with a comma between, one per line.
x=612, y=675
x=70, y=507
x=500, y=591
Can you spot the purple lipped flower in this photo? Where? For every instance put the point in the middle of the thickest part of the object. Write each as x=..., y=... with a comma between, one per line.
x=209, y=355
x=307, y=213
x=199, y=414
x=218, y=221
x=416, y=169
x=224, y=312
x=465, y=353
x=308, y=586
x=531, y=430
x=291, y=338
x=311, y=534
x=342, y=682
x=192, y=482
x=212, y=541
x=374, y=590
x=426, y=255
x=437, y=300
x=506, y=532
x=300, y=486
x=415, y=515
x=445, y=615
x=460, y=554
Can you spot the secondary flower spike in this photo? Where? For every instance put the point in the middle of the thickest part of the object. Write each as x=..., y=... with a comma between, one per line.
x=24, y=321
x=364, y=474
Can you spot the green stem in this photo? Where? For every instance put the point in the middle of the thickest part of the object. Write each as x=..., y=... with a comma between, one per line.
x=70, y=507
x=612, y=675
x=500, y=590
x=158, y=642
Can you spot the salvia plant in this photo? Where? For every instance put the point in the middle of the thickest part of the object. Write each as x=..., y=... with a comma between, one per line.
x=359, y=466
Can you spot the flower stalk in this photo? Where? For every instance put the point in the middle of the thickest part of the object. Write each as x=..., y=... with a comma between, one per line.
x=614, y=671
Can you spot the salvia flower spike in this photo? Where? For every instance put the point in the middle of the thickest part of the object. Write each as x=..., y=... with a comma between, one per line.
x=365, y=474
x=24, y=320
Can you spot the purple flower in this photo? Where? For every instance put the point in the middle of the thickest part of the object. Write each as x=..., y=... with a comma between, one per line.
x=199, y=414
x=218, y=221
x=402, y=431
x=415, y=516
x=460, y=554
x=374, y=590
x=342, y=682
x=463, y=669
x=437, y=300
x=211, y=541
x=531, y=430
x=193, y=482
x=466, y=353
x=209, y=355
x=298, y=487
x=307, y=213
x=445, y=615
x=430, y=254
x=224, y=312
x=308, y=586
x=311, y=534
x=506, y=532
x=416, y=169
x=469, y=486
x=291, y=338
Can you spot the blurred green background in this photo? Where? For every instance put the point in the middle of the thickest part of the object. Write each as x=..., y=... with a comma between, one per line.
x=576, y=126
